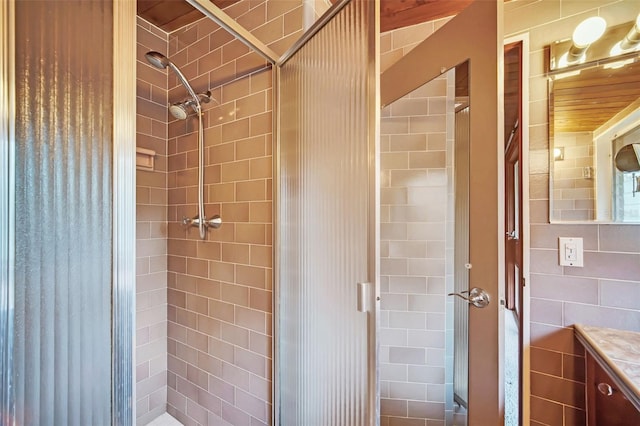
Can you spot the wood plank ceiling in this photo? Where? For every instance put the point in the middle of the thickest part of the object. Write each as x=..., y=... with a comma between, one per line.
x=585, y=102
x=173, y=14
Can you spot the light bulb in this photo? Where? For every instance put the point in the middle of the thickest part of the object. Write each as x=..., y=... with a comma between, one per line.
x=588, y=31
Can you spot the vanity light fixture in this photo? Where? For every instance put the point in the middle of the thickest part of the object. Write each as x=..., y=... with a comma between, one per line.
x=630, y=43
x=558, y=153
x=587, y=32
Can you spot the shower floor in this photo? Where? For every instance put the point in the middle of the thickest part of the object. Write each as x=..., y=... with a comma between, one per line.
x=164, y=420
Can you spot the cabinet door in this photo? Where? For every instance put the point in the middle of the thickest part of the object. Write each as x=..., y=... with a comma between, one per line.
x=606, y=404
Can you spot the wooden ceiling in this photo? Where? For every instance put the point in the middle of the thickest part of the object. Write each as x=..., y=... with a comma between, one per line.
x=585, y=102
x=173, y=14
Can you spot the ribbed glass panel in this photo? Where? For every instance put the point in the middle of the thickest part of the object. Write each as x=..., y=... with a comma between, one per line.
x=62, y=343
x=461, y=258
x=324, y=229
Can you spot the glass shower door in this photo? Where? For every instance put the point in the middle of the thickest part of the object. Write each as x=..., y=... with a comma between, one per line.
x=60, y=167
x=327, y=218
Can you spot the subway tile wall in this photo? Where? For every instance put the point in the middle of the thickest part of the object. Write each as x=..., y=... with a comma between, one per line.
x=605, y=291
x=414, y=220
x=151, y=230
x=573, y=183
x=220, y=290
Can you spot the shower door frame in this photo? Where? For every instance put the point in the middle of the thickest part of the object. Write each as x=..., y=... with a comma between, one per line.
x=216, y=14
x=124, y=211
x=372, y=297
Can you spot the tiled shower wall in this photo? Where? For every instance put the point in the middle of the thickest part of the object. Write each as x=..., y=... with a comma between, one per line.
x=606, y=291
x=220, y=290
x=414, y=202
x=151, y=231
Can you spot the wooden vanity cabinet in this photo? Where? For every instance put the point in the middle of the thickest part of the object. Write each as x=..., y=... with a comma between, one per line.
x=606, y=404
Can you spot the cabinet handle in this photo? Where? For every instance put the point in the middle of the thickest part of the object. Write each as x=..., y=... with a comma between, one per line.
x=605, y=389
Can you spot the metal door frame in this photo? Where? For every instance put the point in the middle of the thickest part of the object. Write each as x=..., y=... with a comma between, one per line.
x=124, y=209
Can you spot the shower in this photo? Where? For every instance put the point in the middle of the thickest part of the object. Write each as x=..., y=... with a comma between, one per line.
x=180, y=110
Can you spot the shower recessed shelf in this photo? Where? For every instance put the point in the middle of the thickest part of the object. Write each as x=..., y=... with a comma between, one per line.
x=145, y=159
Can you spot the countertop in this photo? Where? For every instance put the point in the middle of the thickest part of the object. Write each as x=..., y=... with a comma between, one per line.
x=618, y=353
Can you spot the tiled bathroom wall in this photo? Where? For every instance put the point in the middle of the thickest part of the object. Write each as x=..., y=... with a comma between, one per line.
x=414, y=216
x=573, y=182
x=220, y=290
x=151, y=231
x=605, y=292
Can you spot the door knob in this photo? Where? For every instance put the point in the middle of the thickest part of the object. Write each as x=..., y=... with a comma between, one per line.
x=476, y=297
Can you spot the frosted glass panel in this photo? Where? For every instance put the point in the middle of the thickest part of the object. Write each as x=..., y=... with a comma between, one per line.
x=461, y=258
x=62, y=341
x=324, y=235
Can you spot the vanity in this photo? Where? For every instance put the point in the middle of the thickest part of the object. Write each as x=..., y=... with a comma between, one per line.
x=612, y=375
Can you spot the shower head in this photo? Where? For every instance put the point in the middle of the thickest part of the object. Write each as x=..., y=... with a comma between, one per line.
x=158, y=60
x=178, y=110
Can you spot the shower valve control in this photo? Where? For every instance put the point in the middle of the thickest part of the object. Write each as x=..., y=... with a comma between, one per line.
x=215, y=222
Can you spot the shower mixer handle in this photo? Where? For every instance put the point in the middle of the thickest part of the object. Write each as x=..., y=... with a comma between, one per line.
x=215, y=222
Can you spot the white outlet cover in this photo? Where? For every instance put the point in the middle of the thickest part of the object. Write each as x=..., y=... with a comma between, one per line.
x=570, y=252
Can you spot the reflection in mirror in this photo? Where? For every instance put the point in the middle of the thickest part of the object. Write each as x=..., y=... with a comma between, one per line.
x=423, y=240
x=594, y=113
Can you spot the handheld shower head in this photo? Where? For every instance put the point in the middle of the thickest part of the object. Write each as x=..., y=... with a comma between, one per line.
x=157, y=59
x=178, y=110
x=160, y=61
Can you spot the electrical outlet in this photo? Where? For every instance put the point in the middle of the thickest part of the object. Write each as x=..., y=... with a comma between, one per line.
x=570, y=251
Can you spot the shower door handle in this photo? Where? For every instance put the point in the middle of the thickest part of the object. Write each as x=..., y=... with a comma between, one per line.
x=362, y=297
x=476, y=297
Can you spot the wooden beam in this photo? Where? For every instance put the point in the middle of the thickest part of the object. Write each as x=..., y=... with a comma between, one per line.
x=401, y=13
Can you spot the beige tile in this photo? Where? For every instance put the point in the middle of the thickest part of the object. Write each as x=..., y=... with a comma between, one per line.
x=235, y=171
x=261, y=124
x=251, y=105
x=271, y=31
x=251, y=276
x=260, y=300
x=254, y=17
x=619, y=238
x=235, y=253
x=261, y=211
x=250, y=148
x=423, y=160
x=546, y=312
x=556, y=389
x=564, y=288
x=261, y=168
x=253, y=190
x=618, y=266
x=261, y=255
x=222, y=271
x=250, y=233
x=235, y=212
x=623, y=319
x=620, y=294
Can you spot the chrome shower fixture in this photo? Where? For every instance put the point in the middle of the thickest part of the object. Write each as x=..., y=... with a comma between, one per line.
x=180, y=110
x=160, y=61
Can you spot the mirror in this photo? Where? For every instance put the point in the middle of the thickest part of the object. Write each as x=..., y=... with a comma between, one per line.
x=594, y=123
